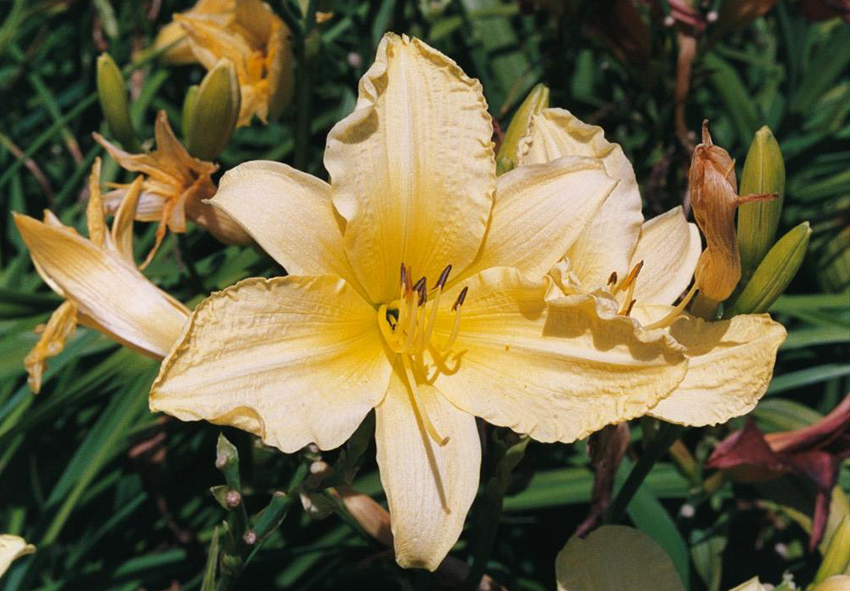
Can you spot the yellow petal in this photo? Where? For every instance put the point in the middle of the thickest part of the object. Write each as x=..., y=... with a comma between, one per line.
x=290, y=215
x=615, y=557
x=412, y=168
x=538, y=213
x=122, y=226
x=293, y=360
x=429, y=487
x=61, y=325
x=94, y=210
x=557, y=372
x=174, y=38
x=105, y=287
x=730, y=366
x=609, y=240
x=12, y=548
x=669, y=247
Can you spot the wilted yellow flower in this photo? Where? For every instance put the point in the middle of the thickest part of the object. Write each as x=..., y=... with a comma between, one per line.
x=255, y=39
x=641, y=269
x=714, y=196
x=174, y=188
x=99, y=280
x=417, y=288
x=12, y=548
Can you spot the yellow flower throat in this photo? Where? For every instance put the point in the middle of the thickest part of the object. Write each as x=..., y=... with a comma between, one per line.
x=407, y=325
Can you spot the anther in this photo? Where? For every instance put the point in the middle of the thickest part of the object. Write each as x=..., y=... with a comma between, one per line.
x=403, y=276
x=423, y=292
x=460, y=299
x=612, y=279
x=418, y=285
x=444, y=276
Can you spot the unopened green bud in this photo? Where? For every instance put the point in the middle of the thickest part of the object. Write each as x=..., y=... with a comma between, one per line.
x=764, y=172
x=112, y=93
x=213, y=116
x=227, y=460
x=188, y=109
x=775, y=272
x=535, y=102
x=837, y=556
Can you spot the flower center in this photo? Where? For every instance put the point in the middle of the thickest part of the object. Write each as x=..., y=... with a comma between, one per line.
x=407, y=325
x=628, y=285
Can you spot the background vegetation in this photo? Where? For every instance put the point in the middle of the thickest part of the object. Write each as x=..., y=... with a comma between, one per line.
x=116, y=498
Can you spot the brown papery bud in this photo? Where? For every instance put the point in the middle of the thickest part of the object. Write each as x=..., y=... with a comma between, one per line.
x=714, y=197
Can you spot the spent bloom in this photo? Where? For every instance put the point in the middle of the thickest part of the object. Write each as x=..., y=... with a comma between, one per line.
x=639, y=269
x=249, y=34
x=99, y=281
x=417, y=287
x=174, y=188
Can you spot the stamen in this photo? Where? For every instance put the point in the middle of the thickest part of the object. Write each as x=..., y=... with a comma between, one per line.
x=612, y=279
x=444, y=276
x=630, y=278
x=632, y=281
x=418, y=406
x=675, y=312
x=460, y=299
x=456, y=328
x=432, y=318
x=403, y=278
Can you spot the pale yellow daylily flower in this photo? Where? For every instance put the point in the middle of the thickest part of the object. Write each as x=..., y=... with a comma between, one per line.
x=174, y=189
x=414, y=195
x=99, y=280
x=642, y=269
x=256, y=40
x=12, y=548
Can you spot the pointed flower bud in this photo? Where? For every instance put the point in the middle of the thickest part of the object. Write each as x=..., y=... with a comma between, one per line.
x=837, y=557
x=188, y=108
x=214, y=112
x=535, y=102
x=764, y=172
x=775, y=272
x=113, y=102
x=227, y=460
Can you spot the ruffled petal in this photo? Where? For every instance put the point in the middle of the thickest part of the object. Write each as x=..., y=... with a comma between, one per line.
x=557, y=371
x=609, y=240
x=429, y=487
x=290, y=215
x=730, y=366
x=412, y=168
x=293, y=360
x=540, y=211
x=669, y=247
x=112, y=292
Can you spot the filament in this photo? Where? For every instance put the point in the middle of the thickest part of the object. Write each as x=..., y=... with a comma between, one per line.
x=417, y=403
x=675, y=312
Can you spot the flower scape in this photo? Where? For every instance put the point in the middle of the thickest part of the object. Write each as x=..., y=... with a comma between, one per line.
x=416, y=330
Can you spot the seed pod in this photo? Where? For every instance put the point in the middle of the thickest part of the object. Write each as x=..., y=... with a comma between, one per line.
x=113, y=102
x=764, y=172
x=714, y=196
x=775, y=272
x=535, y=102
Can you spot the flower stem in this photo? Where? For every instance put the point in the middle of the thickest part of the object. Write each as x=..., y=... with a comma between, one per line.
x=665, y=437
